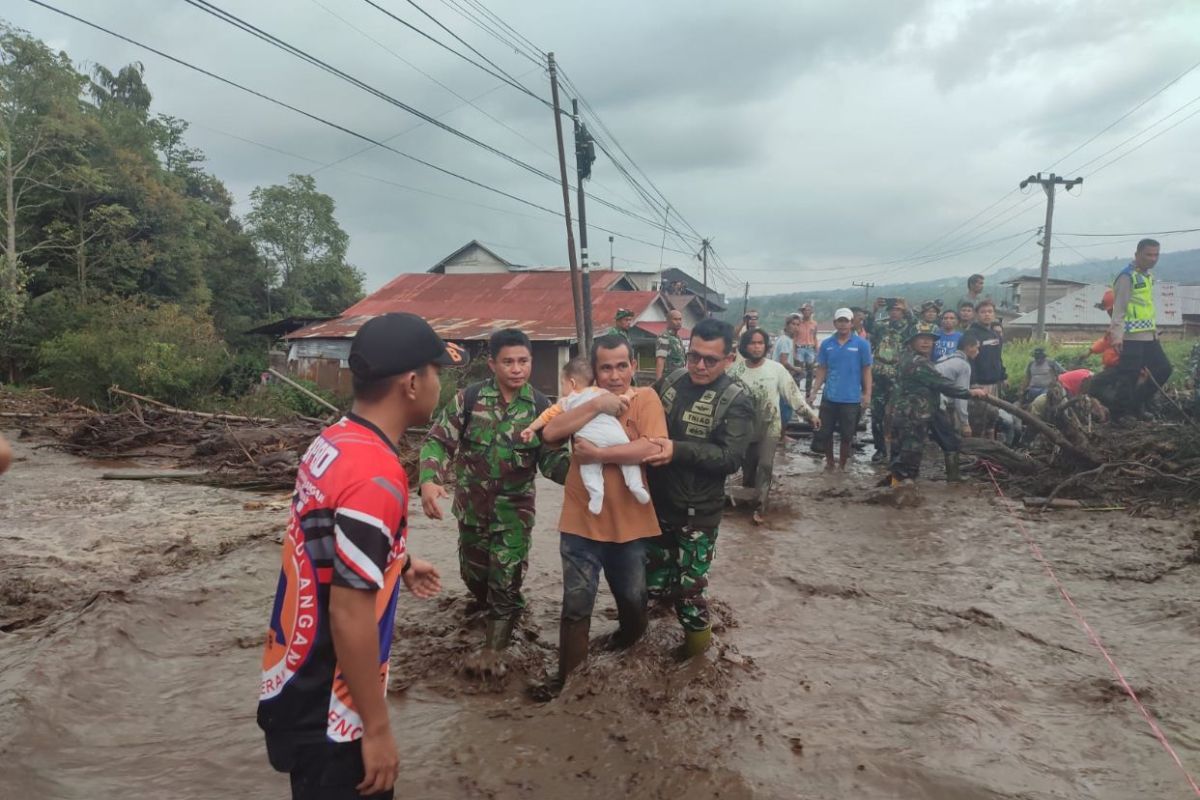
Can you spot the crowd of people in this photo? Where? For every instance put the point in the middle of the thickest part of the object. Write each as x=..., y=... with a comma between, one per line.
x=927, y=372
x=644, y=481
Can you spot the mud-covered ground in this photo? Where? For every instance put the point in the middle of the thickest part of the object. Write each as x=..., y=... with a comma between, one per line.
x=865, y=652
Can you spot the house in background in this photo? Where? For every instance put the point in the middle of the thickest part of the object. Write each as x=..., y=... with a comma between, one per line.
x=1025, y=289
x=473, y=292
x=1076, y=317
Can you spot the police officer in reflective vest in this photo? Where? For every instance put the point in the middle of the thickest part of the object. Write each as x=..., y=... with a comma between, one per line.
x=1134, y=331
x=710, y=418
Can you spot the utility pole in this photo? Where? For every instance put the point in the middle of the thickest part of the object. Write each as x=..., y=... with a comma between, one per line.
x=610, y=253
x=866, y=287
x=704, y=260
x=1048, y=184
x=585, y=154
x=562, y=169
x=746, y=300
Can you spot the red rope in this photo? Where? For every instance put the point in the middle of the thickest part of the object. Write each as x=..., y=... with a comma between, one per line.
x=1095, y=640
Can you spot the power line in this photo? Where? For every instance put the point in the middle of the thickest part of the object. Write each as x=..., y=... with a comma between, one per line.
x=927, y=260
x=458, y=38
x=259, y=33
x=465, y=100
x=491, y=30
x=1129, y=139
x=477, y=4
x=518, y=86
x=1142, y=144
x=1124, y=116
x=326, y=122
x=1144, y=233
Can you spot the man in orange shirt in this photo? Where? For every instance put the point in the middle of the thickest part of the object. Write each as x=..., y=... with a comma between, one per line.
x=806, y=346
x=612, y=541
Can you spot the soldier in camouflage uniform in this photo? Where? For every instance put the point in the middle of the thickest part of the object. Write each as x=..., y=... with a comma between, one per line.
x=621, y=325
x=887, y=344
x=494, y=485
x=915, y=401
x=710, y=418
x=928, y=321
x=668, y=349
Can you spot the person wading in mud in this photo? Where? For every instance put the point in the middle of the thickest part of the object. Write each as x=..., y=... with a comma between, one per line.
x=768, y=383
x=844, y=369
x=6, y=455
x=710, y=418
x=612, y=541
x=915, y=401
x=325, y=665
x=494, y=486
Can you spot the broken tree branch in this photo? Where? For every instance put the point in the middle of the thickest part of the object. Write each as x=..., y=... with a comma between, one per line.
x=1049, y=431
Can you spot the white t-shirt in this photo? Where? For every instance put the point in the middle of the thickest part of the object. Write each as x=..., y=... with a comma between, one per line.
x=769, y=383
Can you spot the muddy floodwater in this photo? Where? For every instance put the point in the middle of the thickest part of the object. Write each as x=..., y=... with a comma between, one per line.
x=864, y=651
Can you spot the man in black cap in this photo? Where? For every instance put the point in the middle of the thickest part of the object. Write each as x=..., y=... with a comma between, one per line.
x=324, y=669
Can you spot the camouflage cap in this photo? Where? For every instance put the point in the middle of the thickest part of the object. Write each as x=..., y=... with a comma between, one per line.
x=913, y=333
x=625, y=313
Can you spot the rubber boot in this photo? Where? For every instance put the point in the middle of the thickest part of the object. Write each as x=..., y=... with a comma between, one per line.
x=499, y=634
x=572, y=646
x=632, y=623
x=489, y=661
x=695, y=643
x=953, y=472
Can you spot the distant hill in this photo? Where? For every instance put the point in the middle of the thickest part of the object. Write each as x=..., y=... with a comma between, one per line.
x=1178, y=267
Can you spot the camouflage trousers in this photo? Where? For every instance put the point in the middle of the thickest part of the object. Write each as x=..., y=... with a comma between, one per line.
x=677, y=565
x=492, y=562
x=881, y=395
x=910, y=435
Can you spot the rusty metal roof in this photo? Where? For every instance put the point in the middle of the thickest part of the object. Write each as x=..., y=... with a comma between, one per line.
x=471, y=306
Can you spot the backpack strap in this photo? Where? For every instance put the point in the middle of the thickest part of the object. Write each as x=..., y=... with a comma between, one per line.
x=540, y=402
x=668, y=383
x=470, y=397
x=732, y=392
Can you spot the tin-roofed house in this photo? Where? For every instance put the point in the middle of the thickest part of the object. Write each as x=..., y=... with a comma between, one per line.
x=470, y=294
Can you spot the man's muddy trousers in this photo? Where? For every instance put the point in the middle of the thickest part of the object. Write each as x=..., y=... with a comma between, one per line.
x=677, y=565
x=881, y=394
x=492, y=562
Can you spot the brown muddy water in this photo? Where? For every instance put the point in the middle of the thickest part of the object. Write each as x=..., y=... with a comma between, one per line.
x=865, y=652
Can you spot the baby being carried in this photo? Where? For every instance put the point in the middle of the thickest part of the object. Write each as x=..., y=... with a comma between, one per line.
x=604, y=430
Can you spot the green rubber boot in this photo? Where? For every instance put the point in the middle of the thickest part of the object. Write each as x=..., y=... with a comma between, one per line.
x=695, y=643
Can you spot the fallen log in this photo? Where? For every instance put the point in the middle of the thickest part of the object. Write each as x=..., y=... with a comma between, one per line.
x=161, y=406
x=310, y=395
x=1050, y=432
x=1012, y=460
x=159, y=475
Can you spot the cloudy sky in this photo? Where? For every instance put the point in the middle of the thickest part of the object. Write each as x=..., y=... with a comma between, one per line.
x=817, y=143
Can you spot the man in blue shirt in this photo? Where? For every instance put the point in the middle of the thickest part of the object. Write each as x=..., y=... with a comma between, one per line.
x=948, y=336
x=844, y=369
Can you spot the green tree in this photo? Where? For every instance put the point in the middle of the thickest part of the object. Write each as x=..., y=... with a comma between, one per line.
x=294, y=229
x=40, y=137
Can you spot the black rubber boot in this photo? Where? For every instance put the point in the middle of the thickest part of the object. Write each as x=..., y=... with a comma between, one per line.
x=953, y=471
x=572, y=646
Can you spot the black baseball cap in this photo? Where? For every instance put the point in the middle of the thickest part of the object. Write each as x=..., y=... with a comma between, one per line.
x=392, y=344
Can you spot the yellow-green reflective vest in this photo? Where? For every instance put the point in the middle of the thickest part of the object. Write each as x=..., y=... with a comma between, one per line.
x=1139, y=314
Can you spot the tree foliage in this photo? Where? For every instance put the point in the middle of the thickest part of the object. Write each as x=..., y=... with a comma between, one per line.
x=105, y=205
x=294, y=229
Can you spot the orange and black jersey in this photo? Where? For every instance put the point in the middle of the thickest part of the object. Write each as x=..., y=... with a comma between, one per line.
x=347, y=527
